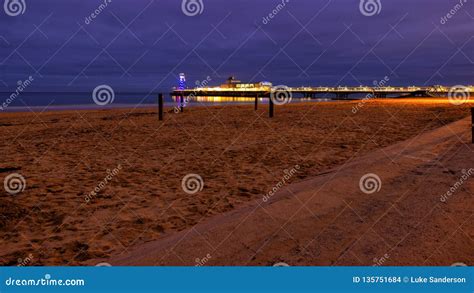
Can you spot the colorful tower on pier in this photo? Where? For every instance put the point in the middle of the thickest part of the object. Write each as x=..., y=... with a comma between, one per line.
x=182, y=82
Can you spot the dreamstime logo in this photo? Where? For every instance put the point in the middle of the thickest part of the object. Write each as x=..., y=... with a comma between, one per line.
x=22, y=86
x=192, y=7
x=202, y=261
x=46, y=281
x=14, y=183
x=380, y=261
x=275, y=11
x=103, y=264
x=459, y=95
x=370, y=183
x=370, y=7
x=377, y=85
x=281, y=94
x=453, y=12
x=24, y=262
x=281, y=264
x=284, y=180
x=103, y=95
x=466, y=174
x=102, y=184
x=14, y=7
x=90, y=18
x=192, y=183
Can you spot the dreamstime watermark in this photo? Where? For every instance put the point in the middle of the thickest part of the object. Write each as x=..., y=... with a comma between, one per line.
x=266, y=19
x=370, y=7
x=459, y=264
x=381, y=261
x=192, y=96
x=46, y=281
x=103, y=95
x=14, y=7
x=283, y=181
x=452, y=12
x=200, y=262
x=23, y=262
x=14, y=183
x=466, y=174
x=459, y=95
x=90, y=18
x=21, y=86
x=102, y=184
x=281, y=94
x=192, y=7
x=370, y=183
x=381, y=83
x=103, y=264
x=377, y=86
x=192, y=183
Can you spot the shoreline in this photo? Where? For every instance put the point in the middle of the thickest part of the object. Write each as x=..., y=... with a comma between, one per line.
x=171, y=105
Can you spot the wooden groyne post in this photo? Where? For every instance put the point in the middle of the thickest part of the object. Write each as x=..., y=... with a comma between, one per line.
x=271, y=107
x=472, y=124
x=160, y=107
x=256, y=102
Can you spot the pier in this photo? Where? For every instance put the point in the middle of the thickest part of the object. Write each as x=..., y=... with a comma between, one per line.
x=315, y=92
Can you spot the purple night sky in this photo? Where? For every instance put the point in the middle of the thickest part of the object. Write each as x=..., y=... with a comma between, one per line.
x=142, y=45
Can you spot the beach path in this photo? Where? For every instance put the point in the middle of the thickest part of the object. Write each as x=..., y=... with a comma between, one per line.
x=329, y=220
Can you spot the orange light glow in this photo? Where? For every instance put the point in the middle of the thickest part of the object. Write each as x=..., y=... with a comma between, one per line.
x=425, y=101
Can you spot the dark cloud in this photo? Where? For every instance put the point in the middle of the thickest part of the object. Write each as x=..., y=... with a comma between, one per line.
x=142, y=45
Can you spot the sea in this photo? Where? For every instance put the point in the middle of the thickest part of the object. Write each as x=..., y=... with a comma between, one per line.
x=57, y=101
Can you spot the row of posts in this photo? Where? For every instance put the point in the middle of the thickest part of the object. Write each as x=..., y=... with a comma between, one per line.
x=271, y=106
x=270, y=112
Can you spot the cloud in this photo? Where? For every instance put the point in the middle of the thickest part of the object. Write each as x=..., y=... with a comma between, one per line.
x=142, y=45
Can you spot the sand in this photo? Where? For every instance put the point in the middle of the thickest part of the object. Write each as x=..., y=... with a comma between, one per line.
x=328, y=220
x=240, y=155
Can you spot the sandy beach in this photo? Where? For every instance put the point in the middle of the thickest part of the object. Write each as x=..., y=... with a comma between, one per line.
x=106, y=186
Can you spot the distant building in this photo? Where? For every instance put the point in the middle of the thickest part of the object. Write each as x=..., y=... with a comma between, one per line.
x=232, y=82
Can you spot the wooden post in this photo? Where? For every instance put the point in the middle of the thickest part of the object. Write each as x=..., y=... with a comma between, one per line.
x=472, y=122
x=271, y=107
x=160, y=107
x=256, y=102
x=181, y=103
